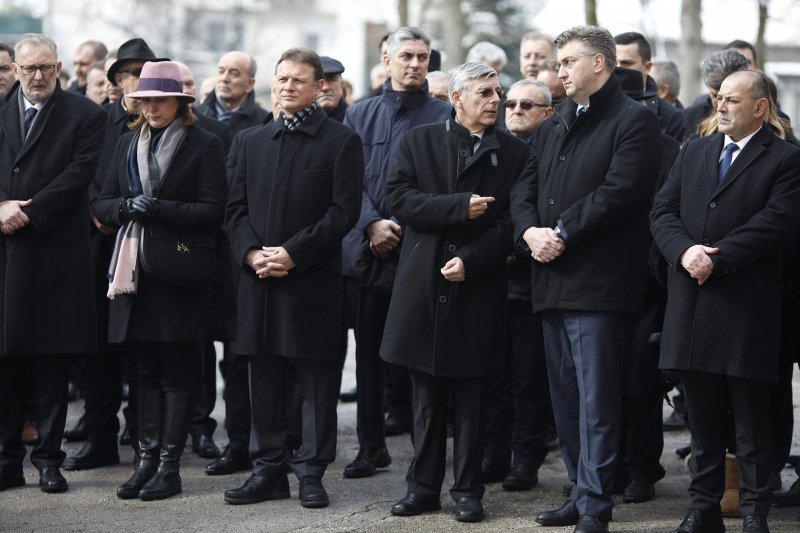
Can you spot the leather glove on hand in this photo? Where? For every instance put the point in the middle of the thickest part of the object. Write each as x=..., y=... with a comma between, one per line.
x=144, y=208
x=125, y=209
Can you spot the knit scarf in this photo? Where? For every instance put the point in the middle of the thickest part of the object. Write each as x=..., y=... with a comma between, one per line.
x=147, y=163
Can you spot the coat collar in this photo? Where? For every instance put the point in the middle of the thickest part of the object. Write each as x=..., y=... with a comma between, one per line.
x=248, y=108
x=489, y=143
x=405, y=100
x=309, y=126
x=565, y=111
x=11, y=121
x=754, y=148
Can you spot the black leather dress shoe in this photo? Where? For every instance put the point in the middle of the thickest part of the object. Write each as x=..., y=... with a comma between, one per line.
x=78, y=433
x=396, y=426
x=790, y=498
x=521, y=478
x=590, y=524
x=51, y=480
x=348, y=396
x=469, y=509
x=566, y=515
x=233, y=459
x=205, y=447
x=413, y=504
x=699, y=522
x=366, y=462
x=638, y=490
x=93, y=455
x=259, y=488
x=755, y=524
x=493, y=471
x=312, y=492
x=10, y=478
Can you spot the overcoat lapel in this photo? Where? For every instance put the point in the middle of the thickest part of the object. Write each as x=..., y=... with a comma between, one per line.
x=754, y=148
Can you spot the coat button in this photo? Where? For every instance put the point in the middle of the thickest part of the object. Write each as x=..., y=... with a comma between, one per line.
x=562, y=157
x=551, y=201
x=712, y=205
x=443, y=299
x=452, y=247
x=16, y=170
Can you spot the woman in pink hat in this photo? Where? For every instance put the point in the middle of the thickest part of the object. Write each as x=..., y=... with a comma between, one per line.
x=165, y=191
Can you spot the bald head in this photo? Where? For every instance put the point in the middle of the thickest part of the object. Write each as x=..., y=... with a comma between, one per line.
x=188, y=79
x=742, y=103
x=236, y=75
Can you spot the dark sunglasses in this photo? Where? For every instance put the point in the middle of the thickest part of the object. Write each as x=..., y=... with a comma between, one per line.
x=488, y=91
x=526, y=105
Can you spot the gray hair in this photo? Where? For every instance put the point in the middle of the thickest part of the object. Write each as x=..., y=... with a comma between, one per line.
x=461, y=76
x=666, y=71
x=594, y=40
x=535, y=36
x=486, y=52
x=437, y=75
x=35, y=39
x=719, y=65
x=536, y=84
x=406, y=33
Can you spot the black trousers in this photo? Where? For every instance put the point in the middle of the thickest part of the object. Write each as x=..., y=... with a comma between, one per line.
x=519, y=412
x=237, y=397
x=202, y=423
x=103, y=395
x=430, y=395
x=316, y=385
x=51, y=374
x=708, y=396
x=642, y=433
x=372, y=311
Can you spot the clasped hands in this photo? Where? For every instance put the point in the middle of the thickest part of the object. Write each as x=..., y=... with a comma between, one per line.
x=139, y=208
x=544, y=243
x=696, y=261
x=269, y=261
x=12, y=217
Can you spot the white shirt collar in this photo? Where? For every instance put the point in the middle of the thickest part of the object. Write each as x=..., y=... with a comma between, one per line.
x=741, y=144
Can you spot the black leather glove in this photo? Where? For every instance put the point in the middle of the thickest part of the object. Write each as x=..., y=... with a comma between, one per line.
x=125, y=208
x=144, y=208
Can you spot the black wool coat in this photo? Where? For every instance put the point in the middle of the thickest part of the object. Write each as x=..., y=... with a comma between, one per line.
x=596, y=174
x=301, y=190
x=47, y=295
x=731, y=324
x=191, y=196
x=444, y=328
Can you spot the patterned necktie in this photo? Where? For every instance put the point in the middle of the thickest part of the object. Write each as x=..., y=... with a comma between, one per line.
x=30, y=113
x=475, y=140
x=581, y=110
x=727, y=159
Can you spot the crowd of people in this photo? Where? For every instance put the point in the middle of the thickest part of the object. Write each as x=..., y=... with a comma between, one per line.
x=523, y=270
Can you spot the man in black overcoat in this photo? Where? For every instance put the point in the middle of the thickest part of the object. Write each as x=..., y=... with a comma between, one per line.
x=722, y=220
x=296, y=192
x=450, y=187
x=583, y=213
x=50, y=142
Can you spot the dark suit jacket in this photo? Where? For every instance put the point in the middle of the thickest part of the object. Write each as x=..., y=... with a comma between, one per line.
x=731, y=324
x=301, y=190
x=46, y=294
x=191, y=196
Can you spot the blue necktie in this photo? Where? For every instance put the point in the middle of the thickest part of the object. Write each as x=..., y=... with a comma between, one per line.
x=727, y=159
x=30, y=113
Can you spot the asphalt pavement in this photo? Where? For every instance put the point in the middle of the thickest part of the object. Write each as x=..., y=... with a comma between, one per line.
x=356, y=505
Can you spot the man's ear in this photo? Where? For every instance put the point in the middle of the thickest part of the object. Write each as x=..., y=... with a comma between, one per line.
x=456, y=98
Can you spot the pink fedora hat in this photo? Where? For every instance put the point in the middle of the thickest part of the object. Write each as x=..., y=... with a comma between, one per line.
x=160, y=79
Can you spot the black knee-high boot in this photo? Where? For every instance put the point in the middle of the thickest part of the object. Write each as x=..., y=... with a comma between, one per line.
x=166, y=482
x=149, y=414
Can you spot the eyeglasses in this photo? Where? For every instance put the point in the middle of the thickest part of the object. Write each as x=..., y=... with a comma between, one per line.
x=488, y=92
x=136, y=71
x=569, y=62
x=30, y=70
x=526, y=105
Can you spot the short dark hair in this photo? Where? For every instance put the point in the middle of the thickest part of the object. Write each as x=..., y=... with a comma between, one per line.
x=634, y=37
x=303, y=55
x=98, y=49
x=7, y=49
x=739, y=44
x=593, y=40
